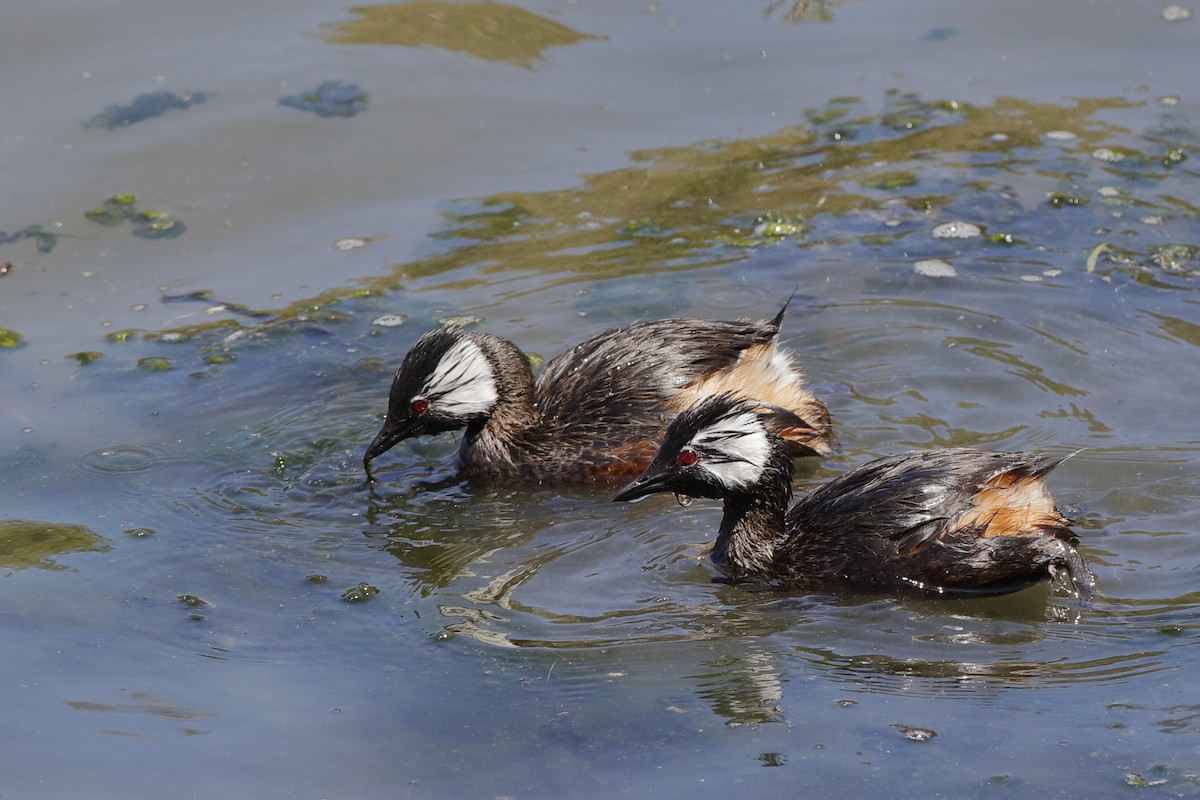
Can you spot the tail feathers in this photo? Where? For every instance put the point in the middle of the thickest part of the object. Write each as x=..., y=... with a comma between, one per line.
x=1047, y=463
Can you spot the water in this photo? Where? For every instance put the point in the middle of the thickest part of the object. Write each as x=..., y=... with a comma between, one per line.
x=202, y=596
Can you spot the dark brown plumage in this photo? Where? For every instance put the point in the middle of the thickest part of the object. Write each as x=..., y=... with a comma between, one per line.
x=597, y=410
x=954, y=521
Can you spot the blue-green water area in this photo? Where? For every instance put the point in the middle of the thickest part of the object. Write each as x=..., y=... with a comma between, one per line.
x=201, y=594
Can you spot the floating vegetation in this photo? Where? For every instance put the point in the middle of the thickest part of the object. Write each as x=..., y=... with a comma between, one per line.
x=86, y=357
x=330, y=99
x=644, y=227
x=155, y=224
x=701, y=205
x=1160, y=265
x=1174, y=257
x=773, y=227
x=214, y=358
x=154, y=363
x=897, y=180
x=1064, y=200
x=360, y=593
x=9, y=337
x=150, y=224
x=487, y=30
x=42, y=240
x=113, y=211
x=768, y=229
x=461, y=320
x=143, y=107
x=1132, y=159
x=122, y=336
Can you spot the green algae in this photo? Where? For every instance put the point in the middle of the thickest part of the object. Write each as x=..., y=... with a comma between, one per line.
x=9, y=338
x=691, y=207
x=147, y=224
x=154, y=363
x=360, y=593
x=897, y=180
x=86, y=357
x=124, y=335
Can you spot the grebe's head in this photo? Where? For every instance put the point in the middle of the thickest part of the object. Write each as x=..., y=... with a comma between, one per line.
x=717, y=448
x=446, y=382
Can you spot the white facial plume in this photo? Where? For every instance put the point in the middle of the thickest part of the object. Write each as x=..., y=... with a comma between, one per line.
x=463, y=382
x=735, y=449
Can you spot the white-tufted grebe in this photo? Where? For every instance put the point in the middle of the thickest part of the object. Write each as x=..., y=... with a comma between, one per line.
x=955, y=521
x=598, y=410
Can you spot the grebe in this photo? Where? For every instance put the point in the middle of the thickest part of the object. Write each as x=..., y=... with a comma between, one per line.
x=956, y=521
x=598, y=410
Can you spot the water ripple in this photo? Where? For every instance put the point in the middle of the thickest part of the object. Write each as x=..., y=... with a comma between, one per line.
x=123, y=459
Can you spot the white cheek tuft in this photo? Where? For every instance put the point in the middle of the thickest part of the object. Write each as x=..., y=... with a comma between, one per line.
x=737, y=448
x=463, y=382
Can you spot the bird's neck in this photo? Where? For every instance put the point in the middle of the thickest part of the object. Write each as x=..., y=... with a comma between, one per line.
x=492, y=441
x=753, y=527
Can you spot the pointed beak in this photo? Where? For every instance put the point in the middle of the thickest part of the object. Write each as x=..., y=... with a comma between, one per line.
x=649, y=482
x=389, y=435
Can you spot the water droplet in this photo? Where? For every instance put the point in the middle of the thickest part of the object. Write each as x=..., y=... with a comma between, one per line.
x=684, y=500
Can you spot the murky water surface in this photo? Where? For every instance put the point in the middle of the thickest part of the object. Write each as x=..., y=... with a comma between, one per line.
x=990, y=219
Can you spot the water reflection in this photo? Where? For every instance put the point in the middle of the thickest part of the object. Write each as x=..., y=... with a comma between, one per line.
x=853, y=184
x=804, y=10
x=1014, y=364
x=743, y=689
x=29, y=543
x=486, y=30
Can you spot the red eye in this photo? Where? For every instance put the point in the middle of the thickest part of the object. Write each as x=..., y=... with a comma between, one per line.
x=418, y=406
x=688, y=457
